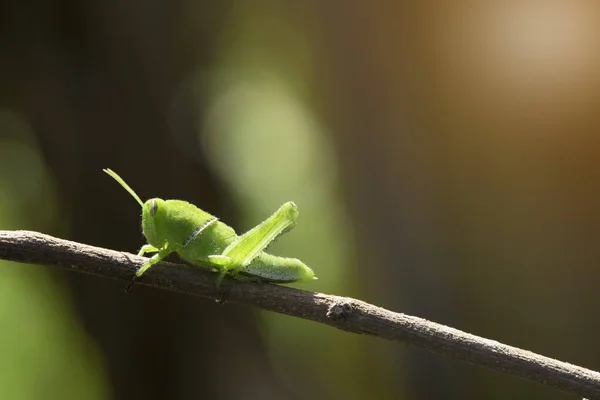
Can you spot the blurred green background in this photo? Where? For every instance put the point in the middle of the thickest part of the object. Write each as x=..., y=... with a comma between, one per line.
x=444, y=156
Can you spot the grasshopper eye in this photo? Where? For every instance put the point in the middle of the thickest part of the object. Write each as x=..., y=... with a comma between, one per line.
x=153, y=207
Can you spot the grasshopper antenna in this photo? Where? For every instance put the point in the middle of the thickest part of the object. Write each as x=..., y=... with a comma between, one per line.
x=121, y=182
x=117, y=178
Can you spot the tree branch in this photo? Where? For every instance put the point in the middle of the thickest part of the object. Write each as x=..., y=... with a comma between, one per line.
x=341, y=312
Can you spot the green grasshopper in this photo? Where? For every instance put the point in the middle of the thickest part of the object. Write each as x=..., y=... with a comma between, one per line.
x=176, y=226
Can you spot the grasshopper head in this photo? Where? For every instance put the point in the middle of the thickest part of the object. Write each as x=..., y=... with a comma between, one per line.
x=153, y=212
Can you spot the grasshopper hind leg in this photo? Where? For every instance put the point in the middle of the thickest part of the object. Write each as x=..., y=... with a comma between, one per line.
x=249, y=245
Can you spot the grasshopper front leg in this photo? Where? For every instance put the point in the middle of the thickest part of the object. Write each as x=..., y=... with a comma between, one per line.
x=153, y=260
x=162, y=253
x=147, y=249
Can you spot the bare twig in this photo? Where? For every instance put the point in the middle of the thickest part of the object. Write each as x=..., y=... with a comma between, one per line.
x=341, y=312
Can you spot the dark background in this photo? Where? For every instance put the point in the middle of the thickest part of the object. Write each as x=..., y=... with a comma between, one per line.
x=444, y=156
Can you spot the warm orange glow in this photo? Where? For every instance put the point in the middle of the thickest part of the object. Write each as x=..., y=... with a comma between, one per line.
x=547, y=43
x=519, y=67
